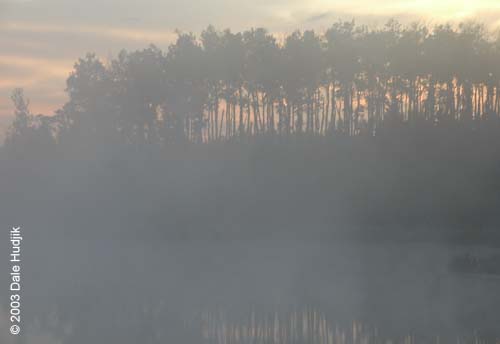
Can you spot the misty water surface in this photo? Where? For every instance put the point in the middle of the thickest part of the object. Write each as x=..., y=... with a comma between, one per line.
x=125, y=288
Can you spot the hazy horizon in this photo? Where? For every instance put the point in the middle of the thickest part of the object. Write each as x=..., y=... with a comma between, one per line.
x=42, y=41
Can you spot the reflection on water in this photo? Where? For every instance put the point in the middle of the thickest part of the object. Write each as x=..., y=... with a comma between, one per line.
x=311, y=326
x=305, y=326
x=128, y=292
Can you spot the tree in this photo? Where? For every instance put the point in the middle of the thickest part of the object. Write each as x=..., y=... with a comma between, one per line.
x=28, y=135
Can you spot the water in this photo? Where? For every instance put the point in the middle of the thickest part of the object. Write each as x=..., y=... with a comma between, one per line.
x=252, y=292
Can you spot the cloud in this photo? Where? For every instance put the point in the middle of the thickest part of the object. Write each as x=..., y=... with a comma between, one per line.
x=40, y=56
x=58, y=68
x=118, y=33
x=318, y=17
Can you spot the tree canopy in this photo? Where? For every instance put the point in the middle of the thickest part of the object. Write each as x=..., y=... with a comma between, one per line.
x=350, y=80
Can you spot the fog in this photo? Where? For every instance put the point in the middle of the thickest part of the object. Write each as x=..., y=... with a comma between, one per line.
x=333, y=187
x=124, y=291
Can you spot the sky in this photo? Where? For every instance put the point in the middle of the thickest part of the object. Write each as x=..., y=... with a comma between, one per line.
x=40, y=40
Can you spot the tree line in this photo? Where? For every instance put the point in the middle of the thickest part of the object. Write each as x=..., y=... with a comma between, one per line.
x=350, y=80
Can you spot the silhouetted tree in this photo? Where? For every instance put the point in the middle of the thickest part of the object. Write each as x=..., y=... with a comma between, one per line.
x=28, y=134
x=351, y=81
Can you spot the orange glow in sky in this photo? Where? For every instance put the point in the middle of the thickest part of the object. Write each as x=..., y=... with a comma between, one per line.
x=41, y=40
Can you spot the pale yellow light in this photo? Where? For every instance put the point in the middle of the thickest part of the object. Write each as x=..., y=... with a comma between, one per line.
x=439, y=10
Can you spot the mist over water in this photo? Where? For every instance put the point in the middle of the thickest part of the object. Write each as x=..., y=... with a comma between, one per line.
x=335, y=187
x=77, y=290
